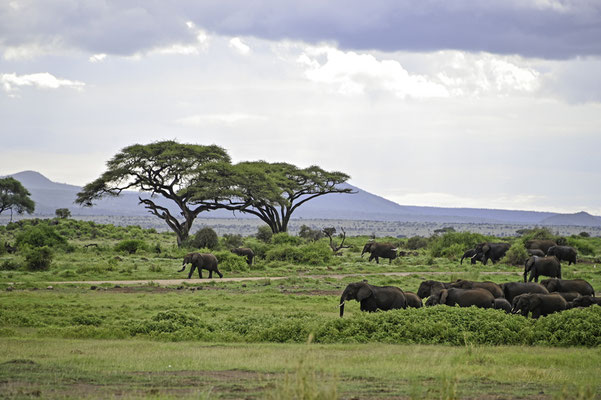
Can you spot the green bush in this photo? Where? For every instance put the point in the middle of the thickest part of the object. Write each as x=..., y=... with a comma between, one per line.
x=264, y=234
x=582, y=245
x=40, y=236
x=317, y=253
x=131, y=246
x=285, y=238
x=231, y=241
x=10, y=265
x=229, y=261
x=38, y=258
x=417, y=242
x=517, y=254
x=453, y=244
x=309, y=234
x=204, y=238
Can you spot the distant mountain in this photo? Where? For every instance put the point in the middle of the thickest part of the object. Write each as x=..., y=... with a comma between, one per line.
x=361, y=205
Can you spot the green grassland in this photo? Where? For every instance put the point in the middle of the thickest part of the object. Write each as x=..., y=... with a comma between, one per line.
x=274, y=338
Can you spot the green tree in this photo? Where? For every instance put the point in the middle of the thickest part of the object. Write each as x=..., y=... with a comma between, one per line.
x=273, y=191
x=14, y=197
x=167, y=170
x=62, y=213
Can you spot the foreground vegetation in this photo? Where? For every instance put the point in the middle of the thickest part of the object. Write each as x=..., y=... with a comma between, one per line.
x=248, y=339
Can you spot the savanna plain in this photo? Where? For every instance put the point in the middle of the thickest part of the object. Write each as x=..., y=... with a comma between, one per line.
x=65, y=332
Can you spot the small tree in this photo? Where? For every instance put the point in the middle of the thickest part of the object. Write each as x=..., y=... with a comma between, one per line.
x=62, y=213
x=310, y=234
x=264, y=234
x=205, y=238
x=39, y=258
x=517, y=254
x=14, y=197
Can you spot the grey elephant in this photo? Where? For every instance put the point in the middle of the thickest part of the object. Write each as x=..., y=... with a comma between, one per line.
x=563, y=253
x=462, y=297
x=501, y=303
x=585, y=301
x=377, y=250
x=535, y=252
x=413, y=300
x=540, y=244
x=201, y=261
x=569, y=285
x=373, y=298
x=245, y=252
x=568, y=296
x=491, y=251
x=537, y=266
x=492, y=287
x=426, y=288
x=513, y=289
x=538, y=304
x=469, y=254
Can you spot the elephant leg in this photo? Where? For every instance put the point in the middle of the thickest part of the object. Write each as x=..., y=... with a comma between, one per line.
x=389, y=261
x=377, y=260
x=219, y=273
x=200, y=272
x=192, y=268
x=210, y=274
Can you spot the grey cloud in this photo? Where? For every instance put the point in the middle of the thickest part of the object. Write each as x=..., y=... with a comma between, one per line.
x=554, y=29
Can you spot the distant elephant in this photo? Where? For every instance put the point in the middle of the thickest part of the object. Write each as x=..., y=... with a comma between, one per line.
x=245, y=252
x=201, y=261
x=563, y=253
x=491, y=251
x=501, y=303
x=569, y=285
x=539, y=244
x=377, y=250
x=492, y=287
x=535, y=252
x=585, y=301
x=373, y=298
x=469, y=254
x=462, y=297
x=513, y=289
x=426, y=288
x=537, y=266
x=413, y=300
x=538, y=304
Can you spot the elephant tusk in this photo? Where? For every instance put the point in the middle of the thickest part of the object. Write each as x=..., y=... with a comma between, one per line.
x=341, y=304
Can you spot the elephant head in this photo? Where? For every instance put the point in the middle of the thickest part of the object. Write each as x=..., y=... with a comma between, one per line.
x=525, y=303
x=437, y=297
x=355, y=291
x=552, y=284
x=188, y=258
x=528, y=265
x=427, y=288
x=367, y=248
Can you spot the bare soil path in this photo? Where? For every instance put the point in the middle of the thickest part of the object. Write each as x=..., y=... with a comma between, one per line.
x=168, y=282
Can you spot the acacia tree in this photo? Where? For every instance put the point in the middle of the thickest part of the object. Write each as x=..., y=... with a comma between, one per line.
x=169, y=170
x=14, y=197
x=273, y=191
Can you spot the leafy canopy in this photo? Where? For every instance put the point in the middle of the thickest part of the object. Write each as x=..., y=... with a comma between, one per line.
x=14, y=197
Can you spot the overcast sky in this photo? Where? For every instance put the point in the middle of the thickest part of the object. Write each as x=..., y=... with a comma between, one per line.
x=463, y=103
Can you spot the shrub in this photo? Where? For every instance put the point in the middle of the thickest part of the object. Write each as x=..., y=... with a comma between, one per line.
x=40, y=236
x=130, y=246
x=285, y=238
x=310, y=234
x=229, y=261
x=517, y=254
x=10, y=265
x=62, y=213
x=453, y=244
x=264, y=234
x=417, y=242
x=205, y=237
x=313, y=254
x=38, y=258
x=583, y=246
x=232, y=241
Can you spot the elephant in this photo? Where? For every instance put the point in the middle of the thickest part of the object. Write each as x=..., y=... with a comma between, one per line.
x=569, y=296
x=245, y=252
x=373, y=298
x=539, y=244
x=491, y=251
x=426, y=288
x=547, y=266
x=377, y=250
x=462, y=297
x=535, y=252
x=563, y=253
x=513, y=289
x=469, y=254
x=585, y=301
x=501, y=303
x=492, y=287
x=413, y=300
x=201, y=261
x=538, y=304
x=569, y=285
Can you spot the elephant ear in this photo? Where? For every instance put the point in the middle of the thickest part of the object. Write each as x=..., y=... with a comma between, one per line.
x=534, y=301
x=364, y=292
x=443, y=296
x=485, y=248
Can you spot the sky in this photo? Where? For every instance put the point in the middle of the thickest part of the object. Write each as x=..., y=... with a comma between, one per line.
x=463, y=103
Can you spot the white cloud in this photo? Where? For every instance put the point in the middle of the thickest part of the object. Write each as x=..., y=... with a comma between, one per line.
x=237, y=44
x=353, y=73
x=97, y=58
x=230, y=119
x=43, y=80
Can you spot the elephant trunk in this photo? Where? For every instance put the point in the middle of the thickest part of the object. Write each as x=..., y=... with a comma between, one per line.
x=341, y=304
x=461, y=262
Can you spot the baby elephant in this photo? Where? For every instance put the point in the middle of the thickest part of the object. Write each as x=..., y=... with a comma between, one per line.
x=201, y=261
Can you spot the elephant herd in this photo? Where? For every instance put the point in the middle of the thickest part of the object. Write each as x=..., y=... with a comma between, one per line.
x=540, y=299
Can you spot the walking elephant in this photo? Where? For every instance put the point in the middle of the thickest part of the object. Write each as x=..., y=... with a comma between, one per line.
x=469, y=254
x=373, y=298
x=563, y=253
x=540, y=244
x=569, y=285
x=201, y=261
x=537, y=266
x=538, y=304
x=377, y=250
x=492, y=287
x=245, y=252
x=462, y=297
x=491, y=251
x=513, y=289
